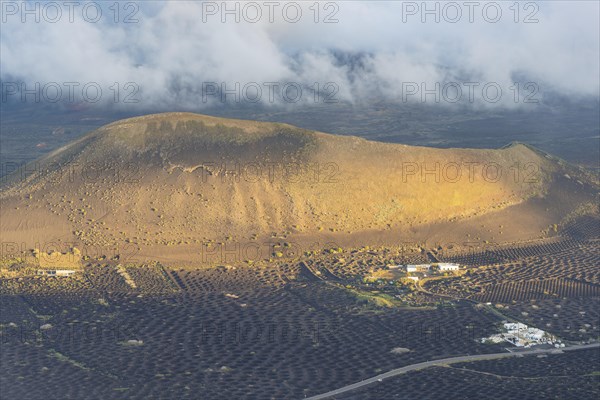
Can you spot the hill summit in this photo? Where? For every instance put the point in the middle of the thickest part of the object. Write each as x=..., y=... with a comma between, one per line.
x=179, y=179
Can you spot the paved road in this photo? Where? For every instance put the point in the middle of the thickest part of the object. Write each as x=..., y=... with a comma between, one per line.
x=445, y=361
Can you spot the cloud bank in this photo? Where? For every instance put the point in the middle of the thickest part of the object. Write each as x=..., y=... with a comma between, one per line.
x=196, y=54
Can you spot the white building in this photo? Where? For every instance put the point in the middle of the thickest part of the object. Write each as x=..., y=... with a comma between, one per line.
x=525, y=334
x=514, y=327
x=521, y=335
x=448, y=267
x=534, y=334
x=418, y=267
x=55, y=272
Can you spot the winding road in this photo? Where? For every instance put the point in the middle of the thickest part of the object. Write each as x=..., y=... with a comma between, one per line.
x=445, y=361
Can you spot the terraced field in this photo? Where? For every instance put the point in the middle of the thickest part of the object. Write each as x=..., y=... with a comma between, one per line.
x=575, y=319
x=583, y=231
x=562, y=268
x=538, y=289
x=292, y=329
x=240, y=333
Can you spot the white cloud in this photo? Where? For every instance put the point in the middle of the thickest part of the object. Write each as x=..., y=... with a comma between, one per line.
x=170, y=52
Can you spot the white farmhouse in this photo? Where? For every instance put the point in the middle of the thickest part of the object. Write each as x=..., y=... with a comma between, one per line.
x=418, y=267
x=448, y=267
x=55, y=272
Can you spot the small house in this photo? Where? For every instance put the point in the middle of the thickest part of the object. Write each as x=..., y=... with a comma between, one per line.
x=56, y=272
x=418, y=267
x=448, y=267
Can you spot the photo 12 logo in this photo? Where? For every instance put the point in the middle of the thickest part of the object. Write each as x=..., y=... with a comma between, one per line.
x=253, y=12
x=468, y=92
x=453, y=12
x=231, y=252
x=59, y=254
x=453, y=172
x=436, y=332
x=70, y=332
x=52, y=12
x=269, y=92
x=69, y=92
x=56, y=173
x=268, y=332
x=260, y=172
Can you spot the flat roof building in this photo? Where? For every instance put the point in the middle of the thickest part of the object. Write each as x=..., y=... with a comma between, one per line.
x=448, y=267
x=418, y=267
x=55, y=272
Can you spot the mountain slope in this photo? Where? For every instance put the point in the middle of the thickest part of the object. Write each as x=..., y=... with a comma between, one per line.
x=176, y=180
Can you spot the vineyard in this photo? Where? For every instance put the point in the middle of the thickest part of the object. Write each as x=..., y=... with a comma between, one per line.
x=508, y=253
x=569, y=318
x=572, y=272
x=571, y=375
x=256, y=331
x=536, y=289
x=356, y=263
x=289, y=329
x=584, y=231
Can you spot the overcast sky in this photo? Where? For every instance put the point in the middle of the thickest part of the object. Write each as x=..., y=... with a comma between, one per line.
x=177, y=51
